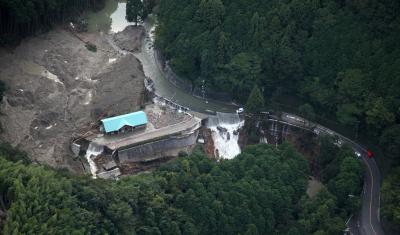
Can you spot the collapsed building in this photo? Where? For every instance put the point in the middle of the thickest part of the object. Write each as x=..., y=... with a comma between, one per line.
x=137, y=138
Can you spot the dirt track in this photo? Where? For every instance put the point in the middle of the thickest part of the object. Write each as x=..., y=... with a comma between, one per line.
x=57, y=89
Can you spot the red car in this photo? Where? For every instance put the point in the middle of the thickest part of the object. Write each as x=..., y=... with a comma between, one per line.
x=370, y=154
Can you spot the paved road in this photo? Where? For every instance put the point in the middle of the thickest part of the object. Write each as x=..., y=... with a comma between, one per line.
x=368, y=219
x=367, y=222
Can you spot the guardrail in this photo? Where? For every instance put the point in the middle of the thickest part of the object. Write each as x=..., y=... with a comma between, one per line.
x=149, y=85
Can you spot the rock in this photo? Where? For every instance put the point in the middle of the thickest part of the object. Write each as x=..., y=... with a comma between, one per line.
x=221, y=129
x=109, y=165
x=208, y=146
x=113, y=174
x=131, y=38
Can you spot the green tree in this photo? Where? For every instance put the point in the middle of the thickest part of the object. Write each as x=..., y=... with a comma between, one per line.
x=348, y=114
x=337, y=56
x=244, y=70
x=351, y=85
x=258, y=192
x=22, y=18
x=390, y=198
x=255, y=101
x=223, y=49
x=307, y=111
x=390, y=142
x=135, y=11
x=251, y=230
x=211, y=12
x=378, y=115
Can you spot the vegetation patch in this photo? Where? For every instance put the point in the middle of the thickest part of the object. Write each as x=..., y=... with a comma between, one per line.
x=390, y=201
x=91, y=47
x=314, y=186
x=38, y=16
x=261, y=191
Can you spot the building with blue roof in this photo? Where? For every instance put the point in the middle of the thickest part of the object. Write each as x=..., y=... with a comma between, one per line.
x=124, y=122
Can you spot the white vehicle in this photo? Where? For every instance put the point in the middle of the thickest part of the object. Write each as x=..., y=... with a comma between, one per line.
x=240, y=110
x=317, y=131
x=338, y=143
x=358, y=154
x=291, y=117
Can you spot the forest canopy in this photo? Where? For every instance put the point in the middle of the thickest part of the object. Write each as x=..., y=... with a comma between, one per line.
x=339, y=60
x=342, y=57
x=262, y=191
x=21, y=18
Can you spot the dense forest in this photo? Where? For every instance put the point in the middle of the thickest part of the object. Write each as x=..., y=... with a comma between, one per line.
x=138, y=10
x=21, y=18
x=262, y=191
x=339, y=59
x=390, y=199
x=342, y=57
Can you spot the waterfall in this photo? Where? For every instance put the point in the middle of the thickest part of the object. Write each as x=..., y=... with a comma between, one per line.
x=274, y=128
x=223, y=118
x=225, y=133
x=93, y=151
x=263, y=140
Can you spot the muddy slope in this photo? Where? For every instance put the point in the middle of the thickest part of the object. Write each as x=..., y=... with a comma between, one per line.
x=58, y=89
x=130, y=39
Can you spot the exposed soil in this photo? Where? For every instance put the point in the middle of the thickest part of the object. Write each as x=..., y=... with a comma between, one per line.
x=314, y=186
x=208, y=146
x=162, y=116
x=135, y=168
x=57, y=89
x=130, y=39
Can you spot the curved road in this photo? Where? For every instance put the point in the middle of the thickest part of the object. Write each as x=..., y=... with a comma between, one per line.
x=368, y=222
x=365, y=223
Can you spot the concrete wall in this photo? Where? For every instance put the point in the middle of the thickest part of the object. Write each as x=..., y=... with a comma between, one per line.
x=157, y=149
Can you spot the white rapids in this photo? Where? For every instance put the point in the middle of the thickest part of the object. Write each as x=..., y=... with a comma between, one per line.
x=93, y=151
x=225, y=133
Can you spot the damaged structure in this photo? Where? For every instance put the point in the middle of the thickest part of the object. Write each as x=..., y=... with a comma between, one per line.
x=137, y=138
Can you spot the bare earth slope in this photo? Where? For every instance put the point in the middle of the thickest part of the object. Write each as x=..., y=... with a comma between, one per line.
x=130, y=39
x=57, y=89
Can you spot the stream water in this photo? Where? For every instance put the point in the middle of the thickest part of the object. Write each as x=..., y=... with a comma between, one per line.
x=112, y=20
x=225, y=133
x=93, y=151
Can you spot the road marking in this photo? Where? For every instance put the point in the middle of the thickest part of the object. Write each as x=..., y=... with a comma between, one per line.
x=370, y=202
x=328, y=131
x=349, y=219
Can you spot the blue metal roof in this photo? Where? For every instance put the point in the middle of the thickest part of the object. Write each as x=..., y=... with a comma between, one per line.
x=130, y=119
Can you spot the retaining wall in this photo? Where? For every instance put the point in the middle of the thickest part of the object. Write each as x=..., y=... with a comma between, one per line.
x=155, y=150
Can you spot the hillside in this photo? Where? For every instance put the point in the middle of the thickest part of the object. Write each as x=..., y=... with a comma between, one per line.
x=262, y=191
x=58, y=89
x=340, y=56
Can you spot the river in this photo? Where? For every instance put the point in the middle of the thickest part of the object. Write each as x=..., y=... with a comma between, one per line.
x=112, y=20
